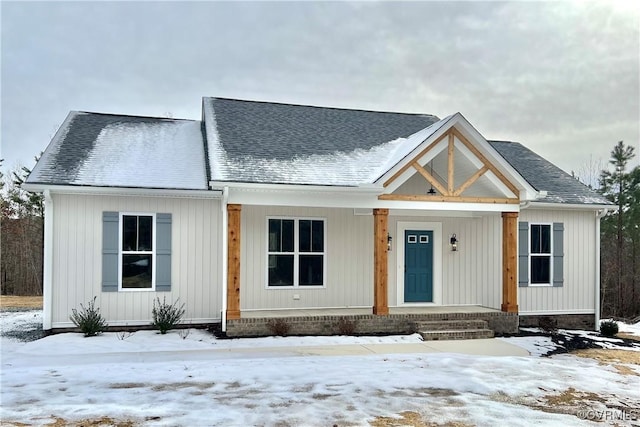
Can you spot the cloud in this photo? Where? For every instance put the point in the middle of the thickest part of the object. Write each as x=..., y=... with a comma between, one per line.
x=561, y=77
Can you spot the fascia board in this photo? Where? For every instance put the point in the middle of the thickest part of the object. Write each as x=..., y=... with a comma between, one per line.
x=567, y=206
x=123, y=191
x=284, y=188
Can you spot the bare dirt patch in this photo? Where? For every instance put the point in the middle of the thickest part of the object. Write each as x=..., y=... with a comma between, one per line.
x=12, y=301
x=412, y=419
x=614, y=358
x=628, y=336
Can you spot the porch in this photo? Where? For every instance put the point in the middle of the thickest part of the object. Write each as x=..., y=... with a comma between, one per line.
x=456, y=321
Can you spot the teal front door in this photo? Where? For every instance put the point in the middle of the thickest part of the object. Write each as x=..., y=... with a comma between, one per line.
x=418, y=266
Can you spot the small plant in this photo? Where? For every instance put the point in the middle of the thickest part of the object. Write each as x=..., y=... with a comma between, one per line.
x=166, y=316
x=184, y=333
x=346, y=326
x=609, y=328
x=278, y=327
x=548, y=324
x=123, y=335
x=89, y=319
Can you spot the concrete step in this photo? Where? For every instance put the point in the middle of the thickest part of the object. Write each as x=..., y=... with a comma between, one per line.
x=456, y=334
x=450, y=325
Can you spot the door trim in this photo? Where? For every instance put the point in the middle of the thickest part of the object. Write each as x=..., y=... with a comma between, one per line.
x=436, y=227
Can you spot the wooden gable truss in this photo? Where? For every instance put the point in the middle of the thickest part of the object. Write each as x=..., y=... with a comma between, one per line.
x=448, y=190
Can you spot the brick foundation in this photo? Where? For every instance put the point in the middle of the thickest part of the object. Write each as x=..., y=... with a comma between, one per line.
x=499, y=322
x=564, y=321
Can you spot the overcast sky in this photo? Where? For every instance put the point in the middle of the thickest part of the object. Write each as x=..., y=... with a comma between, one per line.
x=560, y=77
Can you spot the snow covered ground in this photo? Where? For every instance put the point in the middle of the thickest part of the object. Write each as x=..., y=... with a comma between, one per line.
x=197, y=380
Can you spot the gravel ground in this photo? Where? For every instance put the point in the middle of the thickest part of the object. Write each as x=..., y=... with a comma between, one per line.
x=27, y=326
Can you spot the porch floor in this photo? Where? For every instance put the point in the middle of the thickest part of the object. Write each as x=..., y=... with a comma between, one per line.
x=307, y=312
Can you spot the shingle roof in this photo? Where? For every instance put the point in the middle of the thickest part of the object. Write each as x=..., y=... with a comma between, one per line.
x=545, y=176
x=105, y=150
x=261, y=142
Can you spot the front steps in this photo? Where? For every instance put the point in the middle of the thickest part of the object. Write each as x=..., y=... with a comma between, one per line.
x=454, y=330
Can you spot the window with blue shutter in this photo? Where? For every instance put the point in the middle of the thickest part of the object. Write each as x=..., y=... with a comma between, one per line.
x=540, y=254
x=136, y=251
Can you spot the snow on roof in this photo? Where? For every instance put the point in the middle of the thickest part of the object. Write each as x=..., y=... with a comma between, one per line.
x=261, y=142
x=292, y=144
x=122, y=151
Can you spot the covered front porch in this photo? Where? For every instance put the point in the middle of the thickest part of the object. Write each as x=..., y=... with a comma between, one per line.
x=438, y=322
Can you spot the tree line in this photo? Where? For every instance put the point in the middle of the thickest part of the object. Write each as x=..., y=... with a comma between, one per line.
x=22, y=216
x=22, y=231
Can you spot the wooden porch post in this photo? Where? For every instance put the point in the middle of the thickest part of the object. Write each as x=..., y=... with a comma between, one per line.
x=380, y=232
x=233, y=261
x=510, y=262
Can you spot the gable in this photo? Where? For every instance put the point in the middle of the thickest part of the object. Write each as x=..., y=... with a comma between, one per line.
x=453, y=165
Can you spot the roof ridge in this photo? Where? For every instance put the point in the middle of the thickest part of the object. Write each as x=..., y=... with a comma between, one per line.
x=135, y=116
x=321, y=107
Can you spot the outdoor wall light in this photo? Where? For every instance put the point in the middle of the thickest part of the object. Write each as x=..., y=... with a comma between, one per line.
x=389, y=241
x=454, y=243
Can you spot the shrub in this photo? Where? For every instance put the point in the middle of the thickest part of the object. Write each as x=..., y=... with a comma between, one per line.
x=278, y=327
x=166, y=316
x=346, y=326
x=548, y=324
x=608, y=328
x=89, y=319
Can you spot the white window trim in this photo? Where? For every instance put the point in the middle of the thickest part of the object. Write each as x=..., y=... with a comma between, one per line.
x=296, y=253
x=550, y=255
x=153, y=251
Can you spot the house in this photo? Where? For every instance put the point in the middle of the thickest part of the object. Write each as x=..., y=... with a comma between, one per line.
x=263, y=210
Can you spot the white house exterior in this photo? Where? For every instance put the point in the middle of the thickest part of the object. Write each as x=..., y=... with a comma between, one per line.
x=262, y=210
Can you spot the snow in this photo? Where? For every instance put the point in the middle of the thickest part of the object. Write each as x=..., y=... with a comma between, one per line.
x=196, y=379
x=166, y=154
x=340, y=168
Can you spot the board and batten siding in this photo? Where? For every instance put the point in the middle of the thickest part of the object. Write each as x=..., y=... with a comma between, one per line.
x=472, y=275
x=77, y=252
x=349, y=261
x=577, y=294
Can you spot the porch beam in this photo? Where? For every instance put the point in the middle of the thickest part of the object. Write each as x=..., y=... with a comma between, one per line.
x=233, y=261
x=450, y=166
x=486, y=162
x=429, y=178
x=509, y=262
x=380, y=275
x=437, y=198
x=419, y=156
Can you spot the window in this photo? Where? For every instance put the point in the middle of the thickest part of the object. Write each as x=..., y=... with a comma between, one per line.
x=137, y=258
x=540, y=254
x=295, y=252
x=136, y=251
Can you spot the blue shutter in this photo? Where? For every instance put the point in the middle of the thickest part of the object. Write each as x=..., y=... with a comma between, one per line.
x=110, y=232
x=163, y=252
x=523, y=254
x=558, y=254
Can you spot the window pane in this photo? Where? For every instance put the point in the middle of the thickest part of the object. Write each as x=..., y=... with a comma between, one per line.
x=311, y=273
x=317, y=235
x=145, y=233
x=129, y=232
x=287, y=235
x=545, y=237
x=305, y=235
x=280, y=270
x=136, y=271
x=540, y=269
x=275, y=235
x=535, y=239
